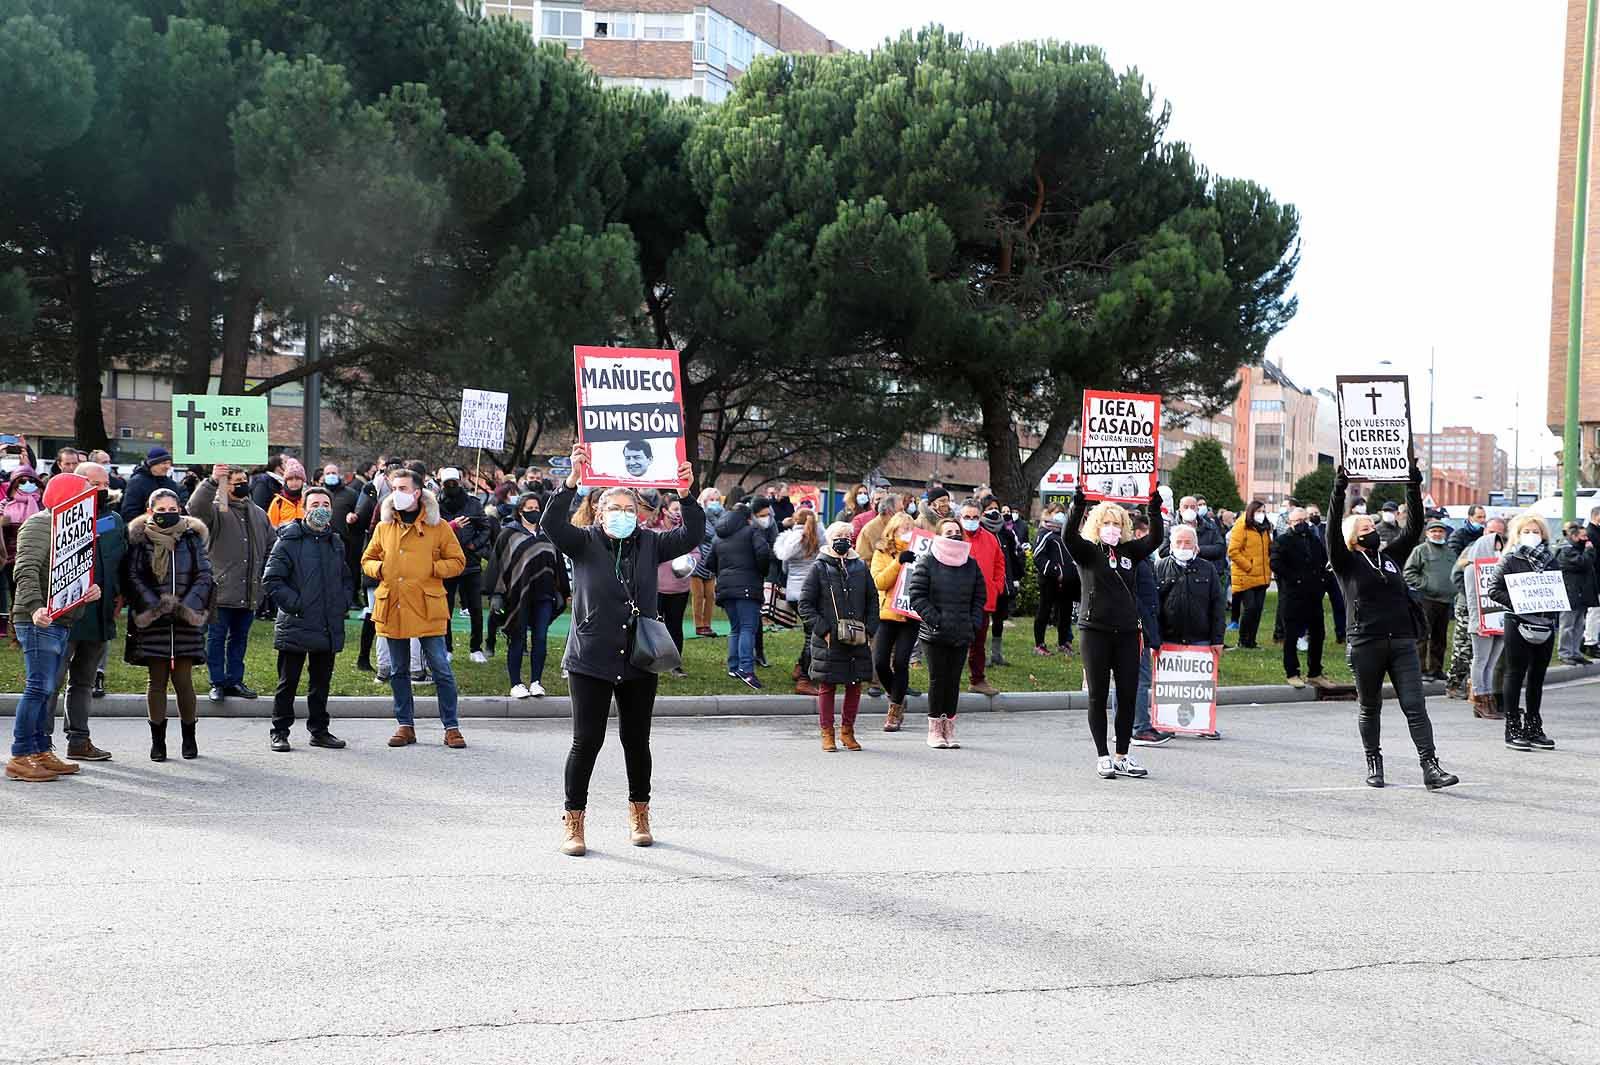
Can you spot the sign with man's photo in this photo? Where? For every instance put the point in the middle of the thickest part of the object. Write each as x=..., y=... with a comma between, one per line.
x=630, y=413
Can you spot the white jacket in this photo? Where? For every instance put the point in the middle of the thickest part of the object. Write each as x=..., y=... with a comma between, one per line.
x=796, y=565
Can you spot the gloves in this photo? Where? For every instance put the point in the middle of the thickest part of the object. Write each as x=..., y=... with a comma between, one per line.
x=1416, y=474
x=907, y=557
x=1155, y=502
x=1341, y=479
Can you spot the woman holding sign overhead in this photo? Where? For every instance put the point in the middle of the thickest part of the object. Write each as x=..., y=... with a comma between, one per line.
x=1382, y=626
x=1530, y=634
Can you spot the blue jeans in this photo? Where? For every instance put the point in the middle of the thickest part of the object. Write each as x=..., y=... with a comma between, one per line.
x=43, y=650
x=1141, y=701
x=226, y=637
x=744, y=620
x=534, y=622
x=433, y=651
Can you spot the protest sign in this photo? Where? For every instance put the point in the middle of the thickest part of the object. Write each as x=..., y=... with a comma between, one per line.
x=483, y=419
x=231, y=430
x=901, y=604
x=1491, y=619
x=806, y=495
x=1375, y=427
x=1544, y=592
x=1121, y=446
x=1183, y=689
x=1059, y=483
x=72, y=536
x=630, y=413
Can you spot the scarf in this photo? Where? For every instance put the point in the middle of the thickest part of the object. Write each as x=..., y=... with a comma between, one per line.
x=162, y=543
x=1539, y=557
x=950, y=552
x=993, y=526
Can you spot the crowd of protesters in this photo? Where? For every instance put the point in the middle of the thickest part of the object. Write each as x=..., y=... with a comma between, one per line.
x=188, y=560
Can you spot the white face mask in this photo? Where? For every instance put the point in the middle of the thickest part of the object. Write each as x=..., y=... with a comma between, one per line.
x=1359, y=508
x=1183, y=554
x=1530, y=539
x=1111, y=535
x=1188, y=514
x=404, y=500
x=1389, y=517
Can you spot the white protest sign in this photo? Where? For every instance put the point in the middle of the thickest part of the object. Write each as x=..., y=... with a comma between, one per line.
x=1121, y=446
x=483, y=419
x=901, y=604
x=1183, y=689
x=1375, y=427
x=1491, y=619
x=72, y=536
x=630, y=413
x=1544, y=592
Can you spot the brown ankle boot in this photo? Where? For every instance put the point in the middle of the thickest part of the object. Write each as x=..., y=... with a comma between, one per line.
x=453, y=740
x=804, y=686
x=403, y=735
x=847, y=736
x=54, y=763
x=28, y=767
x=895, y=718
x=827, y=740
x=639, y=824
x=572, y=837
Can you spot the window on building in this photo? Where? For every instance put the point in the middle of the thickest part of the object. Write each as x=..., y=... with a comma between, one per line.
x=562, y=23
x=711, y=30
x=523, y=13
x=615, y=25
x=141, y=386
x=664, y=28
x=1262, y=405
x=743, y=50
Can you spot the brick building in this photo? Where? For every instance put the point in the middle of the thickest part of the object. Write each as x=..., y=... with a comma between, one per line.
x=680, y=47
x=1275, y=441
x=1478, y=462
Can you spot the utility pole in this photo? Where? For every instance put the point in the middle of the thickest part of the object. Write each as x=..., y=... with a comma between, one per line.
x=1580, y=230
x=1430, y=417
x=311, y=403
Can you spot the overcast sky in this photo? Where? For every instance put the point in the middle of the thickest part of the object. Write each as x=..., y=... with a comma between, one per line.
x=1417, y=139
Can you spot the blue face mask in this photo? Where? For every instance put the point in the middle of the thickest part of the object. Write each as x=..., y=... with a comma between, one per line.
x=713, y=509
x=621, y=523
x=583, y=490
x=332, y=480
x=27, y=488
x=969, y=524
x=911, y=508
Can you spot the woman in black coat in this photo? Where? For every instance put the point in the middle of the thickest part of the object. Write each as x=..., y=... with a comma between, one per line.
x=166, y=578
x=948, y=593
x=307, y=580
x=839, y=587
x=742, y=553
x=1057, y=582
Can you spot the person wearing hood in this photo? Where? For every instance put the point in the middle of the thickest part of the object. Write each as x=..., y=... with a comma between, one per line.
x=305, y=576
x=528, y=587
x=1486, y=649
x=703, y=582
x=167, y=582
x=742, y=552
x=839, y=605
x=465, y=515
x=987, y=554
x=798, y=549
x=948, y=592
x=44, y=640
x=240, y=538
x=1103, y=546
x=1057, y=580
x=1382, y=627
x=153, y=474
x=1530, y=635
x=413, y=551
x=614, y=567
x=288, y=502
x=23, y=499
x=1428, y=573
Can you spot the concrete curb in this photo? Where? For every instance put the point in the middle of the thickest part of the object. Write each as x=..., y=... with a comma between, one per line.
x=482, y=706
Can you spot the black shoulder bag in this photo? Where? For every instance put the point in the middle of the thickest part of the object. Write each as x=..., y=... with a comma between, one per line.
x=650, y=645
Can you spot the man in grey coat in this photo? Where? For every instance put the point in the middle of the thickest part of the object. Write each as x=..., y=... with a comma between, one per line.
x=241, y=538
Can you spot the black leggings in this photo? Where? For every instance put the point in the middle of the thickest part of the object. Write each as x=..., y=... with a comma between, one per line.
x=1107, y=655
x=1055, y=605
x=946, y=661
x=672, y=606
x=1524, y=661
x=470, y=587
x=891, y=656
x=591, y=707
x=1250, y=603
x=1370, y=661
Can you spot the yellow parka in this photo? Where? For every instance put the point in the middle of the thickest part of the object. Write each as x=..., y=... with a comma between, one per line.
x=411, y=562
x=1249, y=550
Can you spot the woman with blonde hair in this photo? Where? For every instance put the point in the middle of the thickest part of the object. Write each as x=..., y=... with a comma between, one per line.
x=897, y=632
x=1108, y=557
x=1529, y=636
x=797, y=547
x=1381, y=626
x=840, y=610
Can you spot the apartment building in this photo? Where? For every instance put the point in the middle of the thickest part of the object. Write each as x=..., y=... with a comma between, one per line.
x=1181, y=426
x=680, y=47
x=1480, y=463
x=1277, y=442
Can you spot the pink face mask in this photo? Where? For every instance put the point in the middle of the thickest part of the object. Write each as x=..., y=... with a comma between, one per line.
x=1111, y=535
x=950, y=552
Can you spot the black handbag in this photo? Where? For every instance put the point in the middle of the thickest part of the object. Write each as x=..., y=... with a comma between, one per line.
x=650, y=645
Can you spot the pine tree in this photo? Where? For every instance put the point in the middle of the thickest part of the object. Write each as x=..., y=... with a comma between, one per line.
x=1315, y=487
x=1204, y=472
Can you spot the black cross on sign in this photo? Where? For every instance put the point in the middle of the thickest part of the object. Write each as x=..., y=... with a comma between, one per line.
x=1374, y=395
x=191, y=416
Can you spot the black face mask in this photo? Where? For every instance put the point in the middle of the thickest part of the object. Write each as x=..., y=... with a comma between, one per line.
x=293, y=493
x=1302, y=526
x=240, y=490
x=1369, y=540
x=1316, y=519
x=167, y=519
x=531, y=517
x=841, y=547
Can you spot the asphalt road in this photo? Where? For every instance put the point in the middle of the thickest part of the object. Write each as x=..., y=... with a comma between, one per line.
x=1250, y=902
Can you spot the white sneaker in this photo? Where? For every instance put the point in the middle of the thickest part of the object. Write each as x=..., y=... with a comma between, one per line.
x=520, y=692
x=536, y=690
x=1125, y=766
x=1105, y=768
x=479, y=657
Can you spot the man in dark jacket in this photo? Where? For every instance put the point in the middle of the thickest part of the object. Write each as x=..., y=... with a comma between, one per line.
x=742, y=553
x=146, y=478
x=346, y=495
x=1428, y=573
x=306, y=579
x=1299, y=561
x=267, y=483
x=475, y=533
x=1389, y=524
x=1575, y=557
x=240, y=538
x=1194, y=608
x=1467, y=533
x=1591, y=625
x=95, y=627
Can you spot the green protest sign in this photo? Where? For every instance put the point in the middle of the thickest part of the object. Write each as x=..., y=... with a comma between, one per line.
x=212, y=429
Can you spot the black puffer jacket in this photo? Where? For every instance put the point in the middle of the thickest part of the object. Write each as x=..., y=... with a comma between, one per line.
x=305, y=580
x=1052, y=563
x=1377, y=600
x=1577, y=569
x=1193, y=608
x=1300, y=562
x=1107, y=574
x=848, y=585
x=166, y=618
x=949, y=600
x=476, y=534
x=743, y=553
x=606, y=574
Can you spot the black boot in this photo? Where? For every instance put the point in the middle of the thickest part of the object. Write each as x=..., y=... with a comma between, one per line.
x=369, y=631
x=1433, y=777
x=1514, y=736
x=1374, y=769
x=1533, y=732
x=158, y=741
x=190, y=750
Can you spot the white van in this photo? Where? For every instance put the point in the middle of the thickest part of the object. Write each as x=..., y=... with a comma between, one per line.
x=1551, y=508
